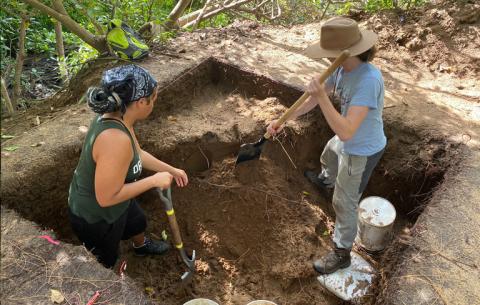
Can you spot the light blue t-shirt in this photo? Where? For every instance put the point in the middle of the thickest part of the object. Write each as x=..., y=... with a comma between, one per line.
x=362, y=87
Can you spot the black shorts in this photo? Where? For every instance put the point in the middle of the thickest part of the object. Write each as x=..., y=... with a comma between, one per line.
x=103, y=239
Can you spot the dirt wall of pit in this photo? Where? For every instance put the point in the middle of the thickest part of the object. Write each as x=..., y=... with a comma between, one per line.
x=440, y=262
x=33, y=266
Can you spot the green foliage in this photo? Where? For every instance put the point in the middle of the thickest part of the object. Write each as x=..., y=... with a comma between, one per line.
x=41, y=39
x=8, y=34
x=136, y=13
x=81, y=55
x=81, y=11
x=413, y=3
x=375, y=5
x=11, y=148
x=164, y=37
x=295, y=12
x=345, y=9
x=299, y=12
x=41, y=35
x=378, y=5
x=218, y=21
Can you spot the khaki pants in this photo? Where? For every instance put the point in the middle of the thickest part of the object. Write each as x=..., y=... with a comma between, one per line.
x=349, y=174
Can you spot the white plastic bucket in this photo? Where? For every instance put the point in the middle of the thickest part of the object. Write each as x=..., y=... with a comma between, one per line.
x=375, y=221
x=261, y=302
x=201, y=302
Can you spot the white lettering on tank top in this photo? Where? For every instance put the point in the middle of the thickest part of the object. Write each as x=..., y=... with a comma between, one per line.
x=137, y=168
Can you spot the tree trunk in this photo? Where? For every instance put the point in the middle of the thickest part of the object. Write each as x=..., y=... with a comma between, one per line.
x=188, y=17
x=325, y=10
x=6, y=98
x=96, y=41
x=199, y=17
x=17, y=85
x=62, y=66
x=217, y=10
x=150, y=10
x=176, y=13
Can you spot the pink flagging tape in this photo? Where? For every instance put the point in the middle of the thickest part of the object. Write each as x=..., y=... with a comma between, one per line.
x=50, y=240
x=94, y=298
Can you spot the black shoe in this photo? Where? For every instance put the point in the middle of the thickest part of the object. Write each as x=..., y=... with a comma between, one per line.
x=337, y=259
x=313, y=178
x=325, y=189
x=152, y=247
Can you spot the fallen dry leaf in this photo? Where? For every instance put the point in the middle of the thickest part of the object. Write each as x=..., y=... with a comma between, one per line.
x=149, y=291
x=37, y=144
x=83, y=129
x=56, y=296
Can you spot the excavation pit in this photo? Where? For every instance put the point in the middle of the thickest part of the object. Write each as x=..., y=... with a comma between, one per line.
x=255, y=227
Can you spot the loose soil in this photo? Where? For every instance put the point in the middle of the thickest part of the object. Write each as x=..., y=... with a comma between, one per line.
x=32, y=266
x=254, y=231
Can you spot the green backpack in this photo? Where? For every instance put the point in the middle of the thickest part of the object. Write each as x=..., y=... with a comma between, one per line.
x=124, y=41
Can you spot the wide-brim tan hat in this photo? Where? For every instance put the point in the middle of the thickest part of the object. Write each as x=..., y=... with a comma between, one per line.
x=338, y=34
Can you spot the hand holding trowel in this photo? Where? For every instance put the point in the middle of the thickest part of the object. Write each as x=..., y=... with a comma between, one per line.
x=251, y=151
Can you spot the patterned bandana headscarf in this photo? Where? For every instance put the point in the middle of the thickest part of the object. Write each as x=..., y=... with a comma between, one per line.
x=142, y=82
x=119, y=87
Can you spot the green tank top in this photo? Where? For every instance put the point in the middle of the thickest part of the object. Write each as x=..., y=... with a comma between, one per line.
x=82, y=199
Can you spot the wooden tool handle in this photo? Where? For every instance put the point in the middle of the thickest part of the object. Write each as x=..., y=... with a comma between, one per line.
x=338, y=61
x=166, y=197
x=177, y=239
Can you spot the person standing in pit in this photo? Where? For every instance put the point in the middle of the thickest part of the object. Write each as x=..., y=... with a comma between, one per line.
x=349, y=158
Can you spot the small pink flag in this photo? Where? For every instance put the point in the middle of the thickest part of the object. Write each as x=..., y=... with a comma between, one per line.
x=50, y=240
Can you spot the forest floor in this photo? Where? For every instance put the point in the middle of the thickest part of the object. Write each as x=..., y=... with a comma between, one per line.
x=257, y=227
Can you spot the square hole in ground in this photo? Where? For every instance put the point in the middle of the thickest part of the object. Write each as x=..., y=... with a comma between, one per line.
x=256, y=227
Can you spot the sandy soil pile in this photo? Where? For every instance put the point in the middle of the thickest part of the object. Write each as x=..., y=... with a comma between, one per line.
x=443, y=35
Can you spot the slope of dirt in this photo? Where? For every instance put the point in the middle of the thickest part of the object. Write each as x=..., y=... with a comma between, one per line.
x=443, y=36
x=440, y=262
x=32, y=267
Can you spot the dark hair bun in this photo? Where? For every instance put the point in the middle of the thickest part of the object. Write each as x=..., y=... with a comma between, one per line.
x=124, y=90
x=101, y=101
